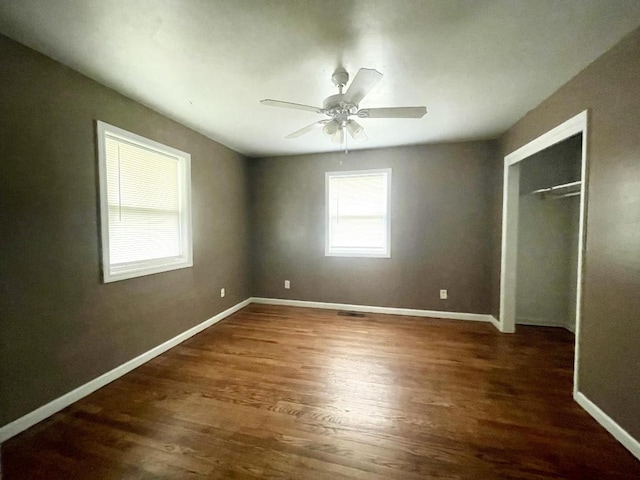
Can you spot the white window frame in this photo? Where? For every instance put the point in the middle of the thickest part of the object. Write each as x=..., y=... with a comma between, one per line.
x=355, y=252
x=113, y=273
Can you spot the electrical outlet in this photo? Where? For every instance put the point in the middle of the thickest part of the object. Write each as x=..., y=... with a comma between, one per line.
x=222, y=292
x=287, y=284
x=443, y=294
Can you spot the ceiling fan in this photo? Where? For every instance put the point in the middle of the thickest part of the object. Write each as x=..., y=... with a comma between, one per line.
x=341, y=106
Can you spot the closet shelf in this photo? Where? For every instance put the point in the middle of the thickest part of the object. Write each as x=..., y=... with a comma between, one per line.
x=570, y=189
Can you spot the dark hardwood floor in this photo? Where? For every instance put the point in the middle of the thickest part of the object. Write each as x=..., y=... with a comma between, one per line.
x=279, y=392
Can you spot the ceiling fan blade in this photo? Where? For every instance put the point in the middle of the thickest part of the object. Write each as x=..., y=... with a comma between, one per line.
x=393, y=112
x=296, y=106
x=307, y=129
x=364, y=81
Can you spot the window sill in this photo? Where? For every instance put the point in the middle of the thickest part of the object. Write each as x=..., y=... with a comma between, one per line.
x=128, y=271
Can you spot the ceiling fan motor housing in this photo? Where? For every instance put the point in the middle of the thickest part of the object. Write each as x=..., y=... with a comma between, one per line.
x=335, y=105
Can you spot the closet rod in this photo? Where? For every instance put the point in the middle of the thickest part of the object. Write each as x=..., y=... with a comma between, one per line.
x=561, y=195
x=560, y=191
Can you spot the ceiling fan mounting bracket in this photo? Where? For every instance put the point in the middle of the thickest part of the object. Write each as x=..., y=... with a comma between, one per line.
x=340, y=78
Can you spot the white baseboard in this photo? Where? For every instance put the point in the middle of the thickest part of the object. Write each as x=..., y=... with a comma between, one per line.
x=67, y=399
x=477, y=317
x=30, y=419
x=538, y=322
x=609, y=424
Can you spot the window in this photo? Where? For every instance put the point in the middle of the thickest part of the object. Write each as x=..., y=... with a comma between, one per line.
x=357, y=213
x=145, y=205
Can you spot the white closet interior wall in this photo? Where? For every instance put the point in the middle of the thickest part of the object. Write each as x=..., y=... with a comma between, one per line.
x=548, y=237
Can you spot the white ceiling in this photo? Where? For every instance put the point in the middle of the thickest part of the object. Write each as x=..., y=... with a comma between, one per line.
x=478, y=65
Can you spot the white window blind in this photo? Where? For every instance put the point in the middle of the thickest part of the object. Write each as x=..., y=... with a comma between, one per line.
x=146, y=221
x=357, y=213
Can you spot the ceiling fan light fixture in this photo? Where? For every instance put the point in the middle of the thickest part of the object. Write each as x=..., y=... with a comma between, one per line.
x=338, y=136
x=331, y=128
x=356, y=131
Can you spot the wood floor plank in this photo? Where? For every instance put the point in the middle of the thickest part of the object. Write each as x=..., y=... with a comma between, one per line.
x=295, y=393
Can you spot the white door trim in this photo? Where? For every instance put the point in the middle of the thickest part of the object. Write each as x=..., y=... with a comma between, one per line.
x=508, y=267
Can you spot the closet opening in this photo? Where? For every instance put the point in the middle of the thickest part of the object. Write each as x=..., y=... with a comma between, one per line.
x=543, y=231
x=548, y=227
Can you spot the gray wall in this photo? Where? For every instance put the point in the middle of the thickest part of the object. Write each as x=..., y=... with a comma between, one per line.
x=610, y=328
x=59, y=325
x=440, y=229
